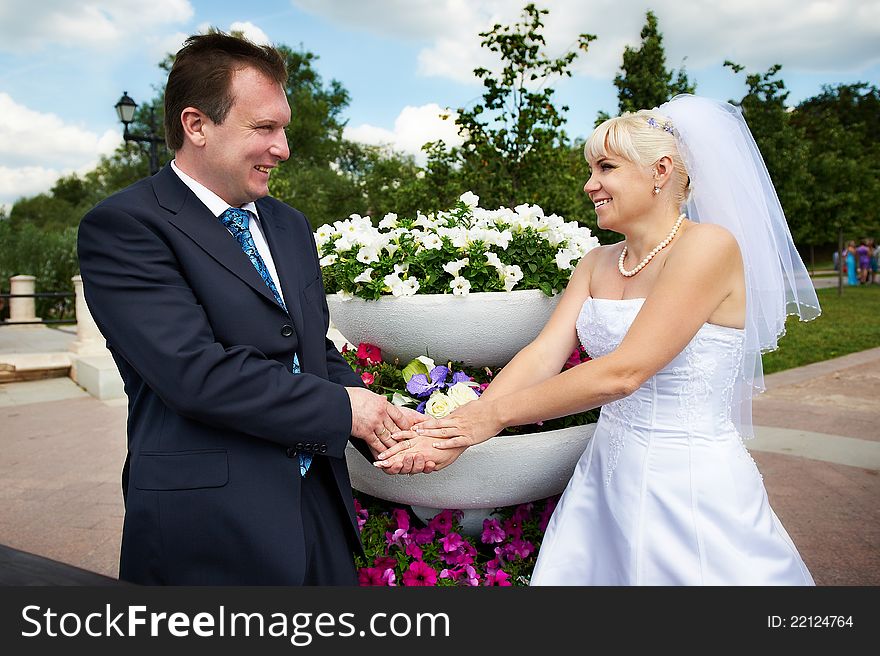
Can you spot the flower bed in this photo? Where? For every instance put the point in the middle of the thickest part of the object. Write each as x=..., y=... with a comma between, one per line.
x=401, y=550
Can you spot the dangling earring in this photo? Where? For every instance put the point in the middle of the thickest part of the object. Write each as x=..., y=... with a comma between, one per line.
x=656, y=190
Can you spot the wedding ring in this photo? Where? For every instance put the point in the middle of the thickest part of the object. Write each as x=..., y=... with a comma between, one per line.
x=384, y=430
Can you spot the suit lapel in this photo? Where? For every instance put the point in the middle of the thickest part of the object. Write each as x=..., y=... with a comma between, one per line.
x=190, y=216
x=287, y=258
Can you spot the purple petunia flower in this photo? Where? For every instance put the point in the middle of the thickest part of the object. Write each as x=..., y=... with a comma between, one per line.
x=513, y=528
x=384, y=562
x=492, y=531
x=466, y=574
x=522, y=512
x=521, y=548
x=414, y=551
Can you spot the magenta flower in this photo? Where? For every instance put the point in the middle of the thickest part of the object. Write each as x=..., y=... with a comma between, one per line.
x=422, y=535
x=384, y=562
x=452, y=542
x=442, y=522
x=466, y=574
x=521, y=548
x=414, y=551
x=522, y=512
x=368, y=378
x=492, y=532
x=399, y=538
x=401, y=518
x=499, y=578
x=420, y=574
x=547, y=513
x=361, y=514
x=370, y=576
x=513, y=528
x=389, y=578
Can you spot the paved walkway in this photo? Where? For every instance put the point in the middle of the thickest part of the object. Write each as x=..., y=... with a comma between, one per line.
x=818, y=448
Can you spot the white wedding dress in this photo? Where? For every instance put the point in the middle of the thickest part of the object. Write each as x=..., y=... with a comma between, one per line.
x=665, y=493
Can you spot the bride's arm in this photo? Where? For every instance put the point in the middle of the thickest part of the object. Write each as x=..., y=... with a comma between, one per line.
x=697, y=277
x=548, y=352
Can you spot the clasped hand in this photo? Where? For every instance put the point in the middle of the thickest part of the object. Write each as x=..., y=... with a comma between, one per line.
x=433, y=444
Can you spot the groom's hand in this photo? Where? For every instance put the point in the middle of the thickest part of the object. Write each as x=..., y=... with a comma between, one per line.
x=374, y=419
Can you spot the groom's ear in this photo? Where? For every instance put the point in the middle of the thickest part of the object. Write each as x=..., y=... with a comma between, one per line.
x=194, y=123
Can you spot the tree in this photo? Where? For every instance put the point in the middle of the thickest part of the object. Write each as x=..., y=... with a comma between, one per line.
x=842, y=134
x=515, y=149
x=781, y=142
x=644, y=82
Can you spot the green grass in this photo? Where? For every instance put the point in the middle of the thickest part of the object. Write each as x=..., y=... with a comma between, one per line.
x=849, y=323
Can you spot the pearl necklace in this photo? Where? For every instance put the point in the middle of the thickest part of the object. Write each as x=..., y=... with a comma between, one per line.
x=650, y=256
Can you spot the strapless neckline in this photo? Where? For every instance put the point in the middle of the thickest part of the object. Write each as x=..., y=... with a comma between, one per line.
x=737, y=331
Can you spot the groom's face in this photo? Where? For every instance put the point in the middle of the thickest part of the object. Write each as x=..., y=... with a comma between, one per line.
x=242, y=151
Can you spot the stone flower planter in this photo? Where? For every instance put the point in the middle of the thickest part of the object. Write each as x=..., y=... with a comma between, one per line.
x=478, y=329
x=504, y=471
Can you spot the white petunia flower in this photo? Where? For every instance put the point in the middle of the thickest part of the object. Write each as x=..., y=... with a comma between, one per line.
x=388, y=222
x=368, y=254
x=366, y=276
x=431, y=241
x=512, y=275
x=564, y=258
x=460, y=286
x=452, y=268
x=327, y=260
x=470, y=199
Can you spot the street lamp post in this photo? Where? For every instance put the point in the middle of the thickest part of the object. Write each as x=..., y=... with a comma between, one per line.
x=125, y=110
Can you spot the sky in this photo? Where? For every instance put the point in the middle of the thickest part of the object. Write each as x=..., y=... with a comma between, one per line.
x=65, y=63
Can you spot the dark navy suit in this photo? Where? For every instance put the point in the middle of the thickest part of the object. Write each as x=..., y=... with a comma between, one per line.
x=212, y=488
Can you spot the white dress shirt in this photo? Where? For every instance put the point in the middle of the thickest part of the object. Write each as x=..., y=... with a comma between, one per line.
x=217, y=206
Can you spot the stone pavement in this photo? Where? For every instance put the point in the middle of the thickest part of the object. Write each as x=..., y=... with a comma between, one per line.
x=817, y=446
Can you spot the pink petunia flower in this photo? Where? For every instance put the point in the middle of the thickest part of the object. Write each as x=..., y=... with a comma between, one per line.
x=384, y=562
x=452, y=542
x=513, y=528
x=423, y=535
x=368, y=378
x=420, y=574
x=414, y=551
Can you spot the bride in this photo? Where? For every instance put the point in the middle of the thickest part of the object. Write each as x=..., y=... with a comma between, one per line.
x=675, y=317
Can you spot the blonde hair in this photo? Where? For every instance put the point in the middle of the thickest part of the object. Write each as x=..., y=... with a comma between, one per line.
x=641, y=137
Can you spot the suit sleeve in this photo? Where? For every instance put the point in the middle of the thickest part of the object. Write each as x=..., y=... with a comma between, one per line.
x=142, y=303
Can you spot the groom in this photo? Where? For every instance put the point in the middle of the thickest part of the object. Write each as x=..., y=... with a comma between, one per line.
x=210, y=297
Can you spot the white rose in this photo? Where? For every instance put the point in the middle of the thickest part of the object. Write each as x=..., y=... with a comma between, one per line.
x=439, y=405
x=462, y=393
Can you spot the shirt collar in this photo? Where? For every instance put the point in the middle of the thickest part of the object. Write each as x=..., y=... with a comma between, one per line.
x=211, y=200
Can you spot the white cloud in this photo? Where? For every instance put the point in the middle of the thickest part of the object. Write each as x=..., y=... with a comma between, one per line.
x=802, y=35
x=37, y=148
x=93, y=24
x=250, y=32
x=414, y=127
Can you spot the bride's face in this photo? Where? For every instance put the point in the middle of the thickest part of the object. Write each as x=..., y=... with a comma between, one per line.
x=621, y=190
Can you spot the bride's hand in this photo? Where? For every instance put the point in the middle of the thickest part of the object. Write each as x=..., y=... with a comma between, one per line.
x=469, y=424
x=415, y=455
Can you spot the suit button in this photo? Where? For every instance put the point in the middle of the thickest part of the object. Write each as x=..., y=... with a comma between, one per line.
x=307, y=446
x=291, y=452
x=298, y=446
x=286, y=330
x=323, y=448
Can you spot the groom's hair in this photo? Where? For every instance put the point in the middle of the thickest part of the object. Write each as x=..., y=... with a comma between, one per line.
x=201, y=77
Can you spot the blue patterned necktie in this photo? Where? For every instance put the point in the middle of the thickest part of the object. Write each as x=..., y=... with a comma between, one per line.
x=237, y=221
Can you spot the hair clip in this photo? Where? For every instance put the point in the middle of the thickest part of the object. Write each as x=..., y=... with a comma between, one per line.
x=667, y=126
